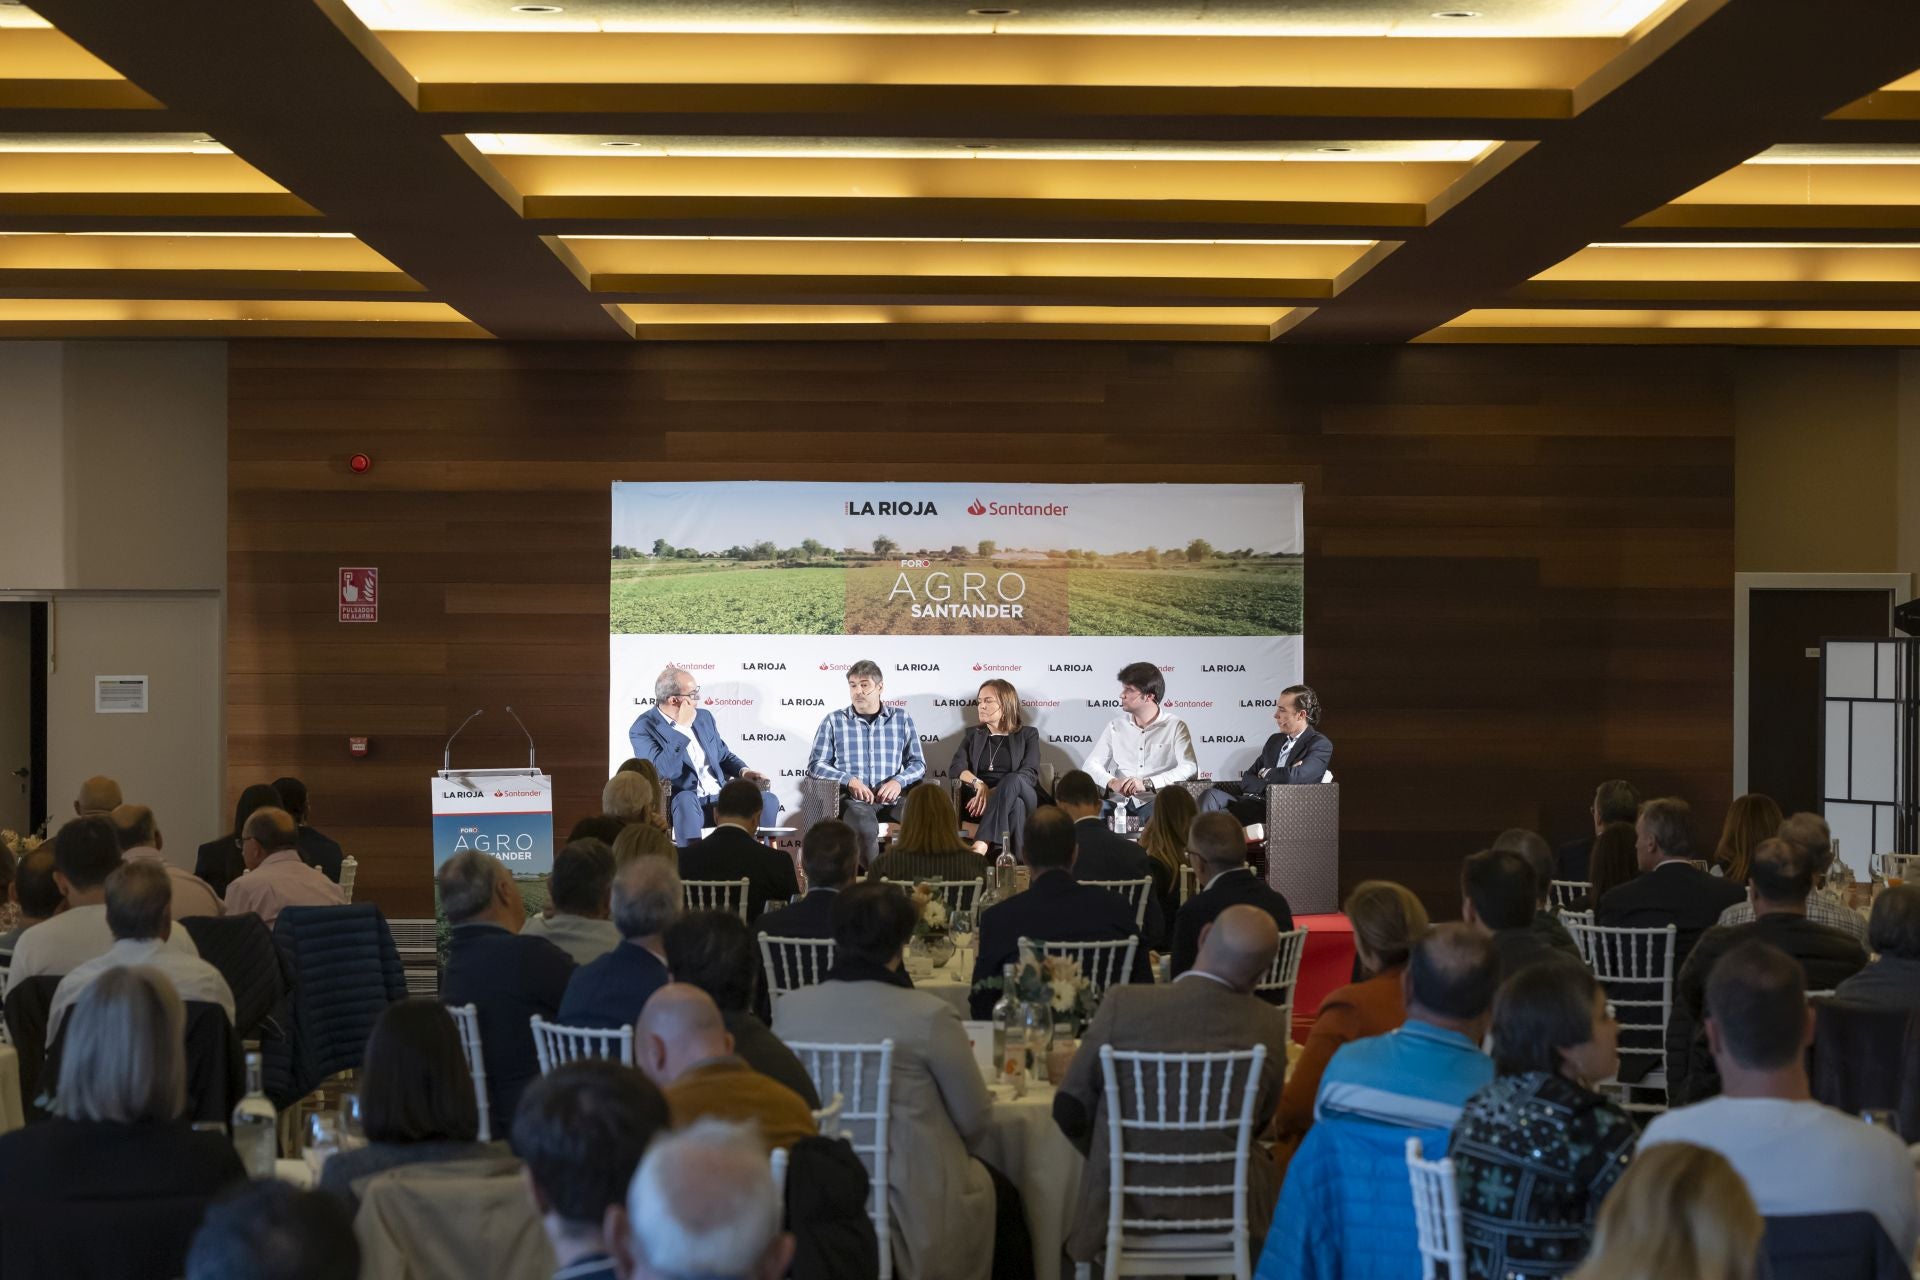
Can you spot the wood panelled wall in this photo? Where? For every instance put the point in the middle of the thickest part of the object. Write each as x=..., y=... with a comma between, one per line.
x=1519, y=560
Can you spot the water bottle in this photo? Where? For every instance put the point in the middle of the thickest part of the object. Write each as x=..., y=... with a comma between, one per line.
x=1006, y=1014
x=256, y=1128
x=1118, y=820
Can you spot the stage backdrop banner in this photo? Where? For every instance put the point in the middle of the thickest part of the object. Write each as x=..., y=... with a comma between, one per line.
x=766, y=592
x=505, y=812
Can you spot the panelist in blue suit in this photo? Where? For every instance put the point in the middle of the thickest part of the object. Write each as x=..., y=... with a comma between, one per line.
x=684, y=744
x=1298, y=753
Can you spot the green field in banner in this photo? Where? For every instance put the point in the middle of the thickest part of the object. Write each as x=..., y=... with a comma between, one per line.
x=1247, y=598
x=727, y=598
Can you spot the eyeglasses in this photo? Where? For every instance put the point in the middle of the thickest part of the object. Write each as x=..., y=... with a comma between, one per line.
x=689, y=693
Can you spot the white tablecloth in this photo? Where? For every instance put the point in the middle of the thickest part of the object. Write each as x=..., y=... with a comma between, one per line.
x=951, y=983
x=1023, y=1142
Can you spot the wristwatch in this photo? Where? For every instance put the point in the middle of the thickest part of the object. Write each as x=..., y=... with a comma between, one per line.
x=1148, y=786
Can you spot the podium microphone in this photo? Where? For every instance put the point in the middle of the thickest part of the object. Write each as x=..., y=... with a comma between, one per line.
x=523, y=729
x=446, y=757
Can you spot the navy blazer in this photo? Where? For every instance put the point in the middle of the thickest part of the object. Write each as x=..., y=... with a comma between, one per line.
x=654, y=738
x=1055, y=908
x=507, y=977
x=731, y=854
x=1308, y=761
x=1675, y=893
x=1229, y=888
x=811, y=917
x=611, y=991
x=1103, y=855
x=321, y=852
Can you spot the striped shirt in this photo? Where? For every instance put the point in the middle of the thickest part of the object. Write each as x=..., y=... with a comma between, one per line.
x=847, y=747
x=1821, y=909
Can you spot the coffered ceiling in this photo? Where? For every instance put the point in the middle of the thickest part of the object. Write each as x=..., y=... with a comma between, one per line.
x=1233, y=170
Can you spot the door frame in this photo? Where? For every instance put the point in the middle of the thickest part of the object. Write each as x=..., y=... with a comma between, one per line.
x=1744, y=584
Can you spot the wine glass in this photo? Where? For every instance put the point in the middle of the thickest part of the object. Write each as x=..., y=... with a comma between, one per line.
x=322, y=1141
x=961, y=927
x=353, y=1124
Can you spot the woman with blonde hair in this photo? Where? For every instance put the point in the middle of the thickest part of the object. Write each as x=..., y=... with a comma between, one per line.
x=1165, y=840
x=997, y=765
x=928, y=845
x=116, y=1184
x=662, y=793
x=1681, y=1210
x=1751, y=819
x=1387, y=920
x=644, y=840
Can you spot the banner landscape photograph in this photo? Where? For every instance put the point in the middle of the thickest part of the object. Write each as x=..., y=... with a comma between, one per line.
x=767, y=592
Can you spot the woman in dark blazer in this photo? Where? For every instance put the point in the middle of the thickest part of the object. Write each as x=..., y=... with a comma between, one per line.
x=219, y=862
x=998, y=768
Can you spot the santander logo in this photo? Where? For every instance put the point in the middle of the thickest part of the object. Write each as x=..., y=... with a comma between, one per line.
x=976, y=508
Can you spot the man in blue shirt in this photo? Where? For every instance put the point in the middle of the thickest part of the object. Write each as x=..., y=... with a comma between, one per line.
x=611, y=991
x=1345, y=1212
x=873, y=752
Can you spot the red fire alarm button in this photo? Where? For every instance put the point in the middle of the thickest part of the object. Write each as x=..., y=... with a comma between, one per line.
x=357, y=746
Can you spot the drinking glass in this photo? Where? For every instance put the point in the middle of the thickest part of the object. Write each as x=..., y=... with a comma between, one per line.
x=322, y=1141
x=961, y=927
x=353, y=1125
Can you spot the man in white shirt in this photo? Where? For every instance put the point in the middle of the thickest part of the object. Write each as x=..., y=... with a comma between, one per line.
x=85, y=853
x=682, y=740
x=276, y=877
x=140, y=838
x=138, y=894
x=1142, y=749
x=1798, y=1157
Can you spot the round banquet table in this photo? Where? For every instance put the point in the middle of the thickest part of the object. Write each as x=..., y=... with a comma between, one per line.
x=952, y=982
x=1023, y=1142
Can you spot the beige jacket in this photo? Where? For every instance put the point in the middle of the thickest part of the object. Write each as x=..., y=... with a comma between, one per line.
x=452, y=1218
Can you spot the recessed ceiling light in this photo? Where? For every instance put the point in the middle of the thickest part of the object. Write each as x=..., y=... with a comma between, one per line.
x=976, y=146
x=621, y=142
x=1336, y=150
x=993, y=13
x=537, y=8
x=1457, y=13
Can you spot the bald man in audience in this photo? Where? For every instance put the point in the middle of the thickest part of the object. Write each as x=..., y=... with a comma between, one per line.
x=1209, y=1008
x=99, y=796
x=684, y=1047
x=138, y=894
x=276, y=878
x=140, y=838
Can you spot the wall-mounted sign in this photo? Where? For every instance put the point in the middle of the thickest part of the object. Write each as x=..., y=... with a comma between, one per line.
x=120, y=695
x=359, y=595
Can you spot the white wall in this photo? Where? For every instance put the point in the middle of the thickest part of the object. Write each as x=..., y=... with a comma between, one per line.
x=116, y=510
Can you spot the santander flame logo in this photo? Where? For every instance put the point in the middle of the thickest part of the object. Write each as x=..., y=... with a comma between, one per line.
x=976, y=508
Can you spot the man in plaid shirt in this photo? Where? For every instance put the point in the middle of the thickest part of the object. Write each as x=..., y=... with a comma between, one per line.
x=872, y=751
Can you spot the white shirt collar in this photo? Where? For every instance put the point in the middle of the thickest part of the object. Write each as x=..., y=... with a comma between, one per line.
x=1230, y=871
x=1210, y=977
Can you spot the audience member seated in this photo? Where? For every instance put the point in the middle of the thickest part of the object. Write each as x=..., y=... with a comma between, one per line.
x=1779, y=879
x=276, y=878
x=85, y=853
x=140, y=839
x=1680, y=1210
x=116, y=1184
x=580, y=888
x=644, y=840
x=1613, y=801
x=1533, y=846
x=36, y=892
x=218, y=861
x=1102, y=854
x=137, y=897
x=1497, y=894
x=1217, y=848
x=99, y=796
x=658, y=816
x=1537, y=1150
x=1054, y=908
x=507, y=978
x=1615, y=859
x=598, y=826
x=581, y=1129
x=703, y=1204
x=316, y=849
x=946, y=1203
x=1750, y=819
x=1669, y=890
x=1892, y=981
x=684, y=1047
x=734, y=851
x=1809, y=832
x=715, y=951
x=416, y=1098
x=928, y=845
x=1209, y=1008
x=1796, y=1155
x=270, y=1230
x=1344, y=1213
x=612, y=990
x=632, y=797
x=1387, y=921
x=830, y=852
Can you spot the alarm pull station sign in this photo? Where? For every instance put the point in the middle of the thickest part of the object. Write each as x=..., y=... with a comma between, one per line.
x=359, y=595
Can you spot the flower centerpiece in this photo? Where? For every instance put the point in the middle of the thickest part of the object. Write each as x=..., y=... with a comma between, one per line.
x=930, y=936
x=18, y=846
x=1057, y=983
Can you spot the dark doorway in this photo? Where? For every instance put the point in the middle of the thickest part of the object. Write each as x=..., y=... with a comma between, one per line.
x=1785, y=628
